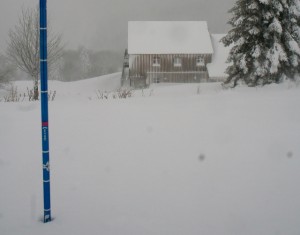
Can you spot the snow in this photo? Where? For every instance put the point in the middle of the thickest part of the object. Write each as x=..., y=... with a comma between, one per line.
x=276, y=26
x=218, y=66
x=174, y=159
x=294, y=46
x=168, y=37
x=275, y=55
x=265, y=1
x=84, y=89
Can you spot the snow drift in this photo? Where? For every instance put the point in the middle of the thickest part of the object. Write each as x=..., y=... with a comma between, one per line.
x=176, y=159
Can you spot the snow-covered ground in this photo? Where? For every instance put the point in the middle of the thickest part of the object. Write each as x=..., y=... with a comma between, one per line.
x=173, y=159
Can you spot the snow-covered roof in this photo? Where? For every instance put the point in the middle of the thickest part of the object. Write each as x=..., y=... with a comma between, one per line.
x=218, y=65
x=168, y=37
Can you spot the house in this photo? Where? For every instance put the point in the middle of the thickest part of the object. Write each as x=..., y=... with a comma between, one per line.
x=167, y=51
x=216, y=69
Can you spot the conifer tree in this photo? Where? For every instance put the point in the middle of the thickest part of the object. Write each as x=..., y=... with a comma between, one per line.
x=265, y=39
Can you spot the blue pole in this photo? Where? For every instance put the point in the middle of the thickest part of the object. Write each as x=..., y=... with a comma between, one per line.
x=44, y=109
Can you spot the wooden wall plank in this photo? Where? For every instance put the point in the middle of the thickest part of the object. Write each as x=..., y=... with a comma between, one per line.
x=142, y=67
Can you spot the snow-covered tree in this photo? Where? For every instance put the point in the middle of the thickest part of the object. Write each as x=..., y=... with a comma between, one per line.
x=56, y=72
x=265, y=39
x=86, y=65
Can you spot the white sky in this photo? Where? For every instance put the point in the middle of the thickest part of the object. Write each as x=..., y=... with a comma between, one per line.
x=102, y=24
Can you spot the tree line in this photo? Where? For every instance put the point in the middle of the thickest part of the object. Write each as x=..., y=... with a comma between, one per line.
x=73, y=65
x=83, y=63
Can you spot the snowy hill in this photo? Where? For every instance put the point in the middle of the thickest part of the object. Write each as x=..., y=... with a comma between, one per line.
x=173, y=159
x=78, y=90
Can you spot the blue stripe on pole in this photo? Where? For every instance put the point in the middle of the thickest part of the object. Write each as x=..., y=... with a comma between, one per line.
x=44, y=109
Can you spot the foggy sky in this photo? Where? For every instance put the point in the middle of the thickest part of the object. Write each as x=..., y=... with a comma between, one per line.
x=102, y=24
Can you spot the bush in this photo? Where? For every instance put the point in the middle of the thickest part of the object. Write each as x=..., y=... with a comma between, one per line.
x=119, y=94
x=14, y=96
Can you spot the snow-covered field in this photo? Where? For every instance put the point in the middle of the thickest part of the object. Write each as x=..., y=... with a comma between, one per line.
x=175, y=159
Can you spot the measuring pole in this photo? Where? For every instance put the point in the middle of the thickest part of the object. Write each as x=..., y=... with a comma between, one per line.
x=44, y=109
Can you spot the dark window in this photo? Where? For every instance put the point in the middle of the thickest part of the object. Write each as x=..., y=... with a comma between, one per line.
x=200, y=61
x=156, y=61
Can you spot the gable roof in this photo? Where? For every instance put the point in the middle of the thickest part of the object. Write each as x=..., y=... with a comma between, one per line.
x=169, y=37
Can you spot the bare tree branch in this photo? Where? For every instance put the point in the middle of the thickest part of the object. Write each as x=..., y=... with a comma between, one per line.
x=23, y=46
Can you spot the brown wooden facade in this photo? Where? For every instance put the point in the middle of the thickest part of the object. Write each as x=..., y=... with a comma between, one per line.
x=171, y=68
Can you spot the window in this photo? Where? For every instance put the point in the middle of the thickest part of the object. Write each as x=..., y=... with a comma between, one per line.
x=200, y=61
x=177, y=62
x=156, y=61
